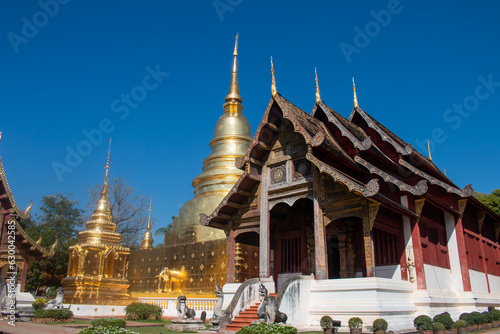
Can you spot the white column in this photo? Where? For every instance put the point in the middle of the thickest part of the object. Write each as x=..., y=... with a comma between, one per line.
x=451, y=236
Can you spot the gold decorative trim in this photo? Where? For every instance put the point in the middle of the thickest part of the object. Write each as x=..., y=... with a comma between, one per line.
x=467, y=191
x=372, y=212
x=462, y=203
x=368, y=190
x=419, y=189
x=419, y=205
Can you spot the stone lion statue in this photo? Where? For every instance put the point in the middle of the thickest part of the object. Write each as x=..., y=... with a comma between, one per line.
x=184, y=312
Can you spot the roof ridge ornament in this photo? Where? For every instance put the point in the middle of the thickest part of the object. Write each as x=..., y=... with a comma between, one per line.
x=234, y=90
x=273, y=82
x=356, y=105
x=318, y=96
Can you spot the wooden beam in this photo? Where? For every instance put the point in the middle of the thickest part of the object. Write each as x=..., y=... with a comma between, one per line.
x=224, y=216
x=257, y=162
x=3, y=196
x=244, y=192
x=272, y=127
x=234, y=204
x=264, y=146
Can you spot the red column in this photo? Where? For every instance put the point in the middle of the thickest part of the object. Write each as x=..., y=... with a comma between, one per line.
x=462, y=254
x=230, y=257
x=417, y=249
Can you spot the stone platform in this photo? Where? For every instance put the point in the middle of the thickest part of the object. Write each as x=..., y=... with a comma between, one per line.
x=186, y=325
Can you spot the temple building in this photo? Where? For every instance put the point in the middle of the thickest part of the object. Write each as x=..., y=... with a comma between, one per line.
x=17, y=249
x=382, y=231
x=97, y=268
x=192, y=254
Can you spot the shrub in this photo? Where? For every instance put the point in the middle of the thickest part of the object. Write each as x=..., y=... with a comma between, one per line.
x=495, y=314
x=106, y=330
x=39, y=303
x=326, y=322
x=54, y=314
x=491, y=308
x=143, y=311
x=355, y=323
x=476, y=317
x=423, y=323
x=460, y=324
x=487, y=317
x=445, y=319
x=380, y=325
x=264, y=328
x=437, y=326
x=468, y=318
x=115, y=322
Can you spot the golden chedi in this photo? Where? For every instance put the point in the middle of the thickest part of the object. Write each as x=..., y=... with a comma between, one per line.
x=98, y=263
x=232, y=136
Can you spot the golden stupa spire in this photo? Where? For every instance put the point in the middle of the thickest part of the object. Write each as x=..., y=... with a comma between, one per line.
x=355, y=97
x=318, y=97
x=147, y=240
x=104, y=192
x=429, y=150
x=234, y=90
x=273, y=83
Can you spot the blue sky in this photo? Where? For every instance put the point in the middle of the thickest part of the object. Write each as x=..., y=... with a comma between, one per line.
x=426, y=70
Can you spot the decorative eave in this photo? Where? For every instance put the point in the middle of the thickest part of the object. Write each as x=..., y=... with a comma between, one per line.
x=357, y=142
x=96, y=245
x=21, y=214
x=385, y=134
x=467, y=191
x=419, y=189
x=34, y=246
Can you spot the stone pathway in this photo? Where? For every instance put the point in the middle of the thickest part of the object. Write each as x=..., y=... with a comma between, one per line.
x=33, y=328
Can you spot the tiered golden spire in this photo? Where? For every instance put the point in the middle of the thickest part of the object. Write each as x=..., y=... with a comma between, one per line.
x=318, y=96
x=234, y=90
x=147, y=240
x=273, y=83
x=356, y=105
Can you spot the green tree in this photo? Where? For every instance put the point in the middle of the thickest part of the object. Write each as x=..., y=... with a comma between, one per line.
x=128, y=208
x=60, y=220
x=492, y=200
x=163, y=230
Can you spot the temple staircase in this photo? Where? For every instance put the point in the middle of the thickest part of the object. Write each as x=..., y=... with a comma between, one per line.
x=245, y=317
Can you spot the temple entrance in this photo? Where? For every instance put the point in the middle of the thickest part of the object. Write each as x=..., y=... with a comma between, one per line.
x=246, y=257
x=345, y=248
x=292, y=240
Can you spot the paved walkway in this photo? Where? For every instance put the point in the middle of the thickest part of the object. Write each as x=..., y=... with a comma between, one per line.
x=33, y=328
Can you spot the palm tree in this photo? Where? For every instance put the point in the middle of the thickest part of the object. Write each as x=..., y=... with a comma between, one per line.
x=163, y=230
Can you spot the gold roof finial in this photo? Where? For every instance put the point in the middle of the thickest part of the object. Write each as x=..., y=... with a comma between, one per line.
x=445, y=172
x=234, y=90
x=273, y=83
x=318, y=97
x=356, y=105
x=147, y=240
x=105, y=186
x=429, y=150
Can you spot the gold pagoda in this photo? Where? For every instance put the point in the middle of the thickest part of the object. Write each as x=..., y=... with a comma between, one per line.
x=232, y=136
x=98, y=263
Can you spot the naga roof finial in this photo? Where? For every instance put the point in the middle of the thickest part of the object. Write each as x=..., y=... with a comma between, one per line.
x=273, y=82
x=356, y=105
x=318, y=96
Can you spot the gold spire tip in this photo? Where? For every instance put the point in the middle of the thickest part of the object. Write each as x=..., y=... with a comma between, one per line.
x=355, y=96
x=429, y=150
x=273, y=83
x=318, y=96
x=109, y=151
x=235, y=53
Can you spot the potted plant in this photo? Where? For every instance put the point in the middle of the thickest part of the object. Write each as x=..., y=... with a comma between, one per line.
x=461, y=326
x=326, y=323
x=379, y=326
x=438, y=328
x=495, y=314
x=423, y=324
x=453, y=329
x=475, y=320
x=356, y=325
